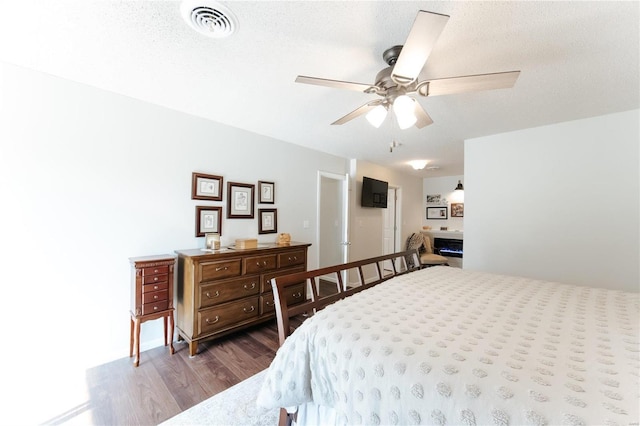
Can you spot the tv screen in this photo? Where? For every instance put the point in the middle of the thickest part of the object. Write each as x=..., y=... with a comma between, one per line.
x=374, y=193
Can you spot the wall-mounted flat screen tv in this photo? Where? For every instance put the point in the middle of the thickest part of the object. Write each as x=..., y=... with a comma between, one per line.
x=374, y=193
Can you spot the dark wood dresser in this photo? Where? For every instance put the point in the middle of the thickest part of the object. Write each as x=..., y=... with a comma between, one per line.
x=151, y=297
x=223, y=291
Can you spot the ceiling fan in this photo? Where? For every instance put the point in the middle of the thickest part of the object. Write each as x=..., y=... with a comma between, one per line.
x=394, y=83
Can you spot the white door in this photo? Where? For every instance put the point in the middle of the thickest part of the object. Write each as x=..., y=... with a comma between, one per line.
x=389, y=224
x=333, y=232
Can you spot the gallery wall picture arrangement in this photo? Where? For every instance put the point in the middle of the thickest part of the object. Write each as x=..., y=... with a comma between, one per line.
x=240, y=200
x=206, y=187
x=267, y=221
x=208, y=220
x=437, y=212
x=457, y=209
x=266, y=192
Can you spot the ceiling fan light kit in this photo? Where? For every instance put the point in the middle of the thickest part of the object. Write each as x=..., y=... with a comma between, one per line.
x=400, y=79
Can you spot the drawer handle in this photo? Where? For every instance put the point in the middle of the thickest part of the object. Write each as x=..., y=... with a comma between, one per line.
x=221, y=268
x=293, y=259
x=155, y=296
x=269, y=303
x=155, y=271
x=210, y=296
x=249, y=310
x=155, y=287
x=246, y=287
x=208, y=321
x=261, y=265
x=155, y=278
x=297, y=295
x=155, y=308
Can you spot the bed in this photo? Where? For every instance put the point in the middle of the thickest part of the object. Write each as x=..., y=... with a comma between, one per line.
x=443, y=345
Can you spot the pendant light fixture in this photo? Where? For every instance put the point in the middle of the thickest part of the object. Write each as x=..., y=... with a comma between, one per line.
x=459, y=187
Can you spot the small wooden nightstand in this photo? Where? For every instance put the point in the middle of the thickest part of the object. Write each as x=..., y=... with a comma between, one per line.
x=151, y=297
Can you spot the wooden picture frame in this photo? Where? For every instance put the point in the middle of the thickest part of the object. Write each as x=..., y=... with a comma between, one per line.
x=267, y=221
x=240, y=200
x=457, y=209
x=266, y=192
x=208, y=220
x=437, y=213
x=206, y=187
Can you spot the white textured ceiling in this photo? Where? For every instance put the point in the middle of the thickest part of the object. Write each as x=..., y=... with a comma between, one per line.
x=577, y=60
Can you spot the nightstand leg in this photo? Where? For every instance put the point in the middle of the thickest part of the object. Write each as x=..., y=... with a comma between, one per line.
x=193, y=348
x=171, y=327
x=136, y=360
x=164, y=322
x=131, y=339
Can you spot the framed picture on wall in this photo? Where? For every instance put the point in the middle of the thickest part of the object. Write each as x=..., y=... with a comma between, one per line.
x=457, y=209
x=240, y=200
x=206, y=187
x=267, y=221
x=437, y=213
x=266, y=192
x=208, y=220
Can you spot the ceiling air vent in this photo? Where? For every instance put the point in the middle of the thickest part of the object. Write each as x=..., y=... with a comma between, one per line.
x=209, y=18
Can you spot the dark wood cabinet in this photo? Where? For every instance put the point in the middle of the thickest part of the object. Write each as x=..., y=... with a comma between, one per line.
x=152, y=284
x=223, y=291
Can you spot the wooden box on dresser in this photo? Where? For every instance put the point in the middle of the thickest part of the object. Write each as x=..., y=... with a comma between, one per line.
x=222, y=291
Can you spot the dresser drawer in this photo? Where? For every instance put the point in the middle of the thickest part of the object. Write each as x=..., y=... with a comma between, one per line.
x=150, y=308
x=292, y=258
x=295, y=294
x=221, y=269
x=258, y=264
x=154, y=296
x=214, y=294
x=266, y=278
x=150, y=279
x=155, y=270
x=220, y=317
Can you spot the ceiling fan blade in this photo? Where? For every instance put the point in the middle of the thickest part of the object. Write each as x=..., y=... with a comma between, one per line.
x=336, y=84
x=423, y=118
x=469, y=83
x=423, y=36
x=358, y=112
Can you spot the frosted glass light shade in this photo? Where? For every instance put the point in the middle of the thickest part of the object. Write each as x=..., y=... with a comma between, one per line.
x=404, y=108
x=377, y=115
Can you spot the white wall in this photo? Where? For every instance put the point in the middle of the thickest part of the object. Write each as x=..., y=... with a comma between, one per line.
x=366, y=223
x=445, y=187
x=90, y=178
x=558, y=202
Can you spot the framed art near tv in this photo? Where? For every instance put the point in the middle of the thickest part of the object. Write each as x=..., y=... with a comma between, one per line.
x=266, y=192
x=206, y=187
x=437, y=212
x=208, y=220
x=240, y=200
x=457, y=209
x=267, y=221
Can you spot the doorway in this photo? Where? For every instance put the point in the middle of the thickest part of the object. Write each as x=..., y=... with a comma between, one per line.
x=333, y=232
x=391, y=223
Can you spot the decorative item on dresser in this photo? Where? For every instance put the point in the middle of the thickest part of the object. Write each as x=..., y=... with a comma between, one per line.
x=219, y=293
x=151, y=297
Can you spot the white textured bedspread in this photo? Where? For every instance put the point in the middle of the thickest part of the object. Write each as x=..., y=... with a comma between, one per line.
x=448, y=346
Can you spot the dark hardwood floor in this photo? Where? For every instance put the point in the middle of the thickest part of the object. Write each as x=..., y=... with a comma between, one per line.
x=163, y=385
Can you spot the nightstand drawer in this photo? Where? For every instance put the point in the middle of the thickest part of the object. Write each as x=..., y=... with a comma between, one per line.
x=155, y=270
x=154, y=296
x=150, y=279
x=218, y=270
x=293, y=258
x=150, y=308
x=215, y=294
x=155, y=287
x=257, y=264
x=223, y=316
